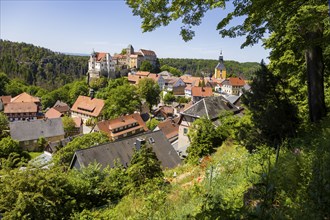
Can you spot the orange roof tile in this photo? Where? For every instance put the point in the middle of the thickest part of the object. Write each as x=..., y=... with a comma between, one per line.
x=142, y=73
x=153, y=76
x=88, y=106
x=201, y=91
x=5, y=99
x=78, y=121
x=134, y=79
x=24, y=97
x=21, y=107
x=190, y=79
x=236, y=81
x=100, y=56
x=170, y=127
x=53, y=113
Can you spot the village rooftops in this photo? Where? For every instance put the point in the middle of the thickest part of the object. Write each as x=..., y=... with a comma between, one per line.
x=88, y=106
x=122, y=151
x=53, y=113
x=142, y=73
x=201, y=91
x=234, y=81
x=5, y=99
x=24, y=97
x=21, y=107
x=170, y=128
x=61, y=107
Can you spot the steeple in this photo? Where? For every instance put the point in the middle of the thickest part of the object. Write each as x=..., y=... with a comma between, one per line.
x=220, y=69
x=221, y=57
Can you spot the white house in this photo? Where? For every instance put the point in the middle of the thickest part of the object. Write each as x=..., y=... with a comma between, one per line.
x=232, y=86
x=99, y=64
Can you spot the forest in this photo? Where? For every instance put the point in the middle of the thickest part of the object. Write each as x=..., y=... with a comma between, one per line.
x=40, y=66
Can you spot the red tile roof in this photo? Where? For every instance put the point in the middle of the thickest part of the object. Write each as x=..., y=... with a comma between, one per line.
x=201, y=91
x=154, y=76
x=142, y=73
x=190, y=79
x=78, y=121
x=170, y=127
x=21, y=107
x=88, y=106
x=134, y=79
x=5, y=99
x=24, y=97
x=53, y=113
x=236, y=81
x=108, y=125
x=147, y=52
x=100, y=56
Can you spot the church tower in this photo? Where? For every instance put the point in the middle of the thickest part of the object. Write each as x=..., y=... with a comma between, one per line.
x=220, y=69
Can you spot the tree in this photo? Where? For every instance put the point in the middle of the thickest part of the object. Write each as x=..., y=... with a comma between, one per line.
x=78, y=88
x=69, y=125
x=144, y=166
x=4, y=80
x=152, y=123
x=121, y=100
x=146, y=66
x=65, y=154
x=169, y=97
x=3, y=125
x=41, y=142
x=8, y=146
x=15, y=87
x=305, y=20
x=171, y=69
x=272, y=112
x=203, y=139
x=149, y=90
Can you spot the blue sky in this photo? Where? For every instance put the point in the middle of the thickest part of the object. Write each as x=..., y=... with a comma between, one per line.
x=109, y=26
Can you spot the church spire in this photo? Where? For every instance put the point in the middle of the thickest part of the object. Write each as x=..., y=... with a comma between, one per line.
x=221, y=57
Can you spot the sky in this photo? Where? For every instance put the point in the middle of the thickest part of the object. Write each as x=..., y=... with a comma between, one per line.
x=109, y=26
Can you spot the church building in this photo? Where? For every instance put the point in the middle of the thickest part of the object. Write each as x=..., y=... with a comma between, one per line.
x=220, y=69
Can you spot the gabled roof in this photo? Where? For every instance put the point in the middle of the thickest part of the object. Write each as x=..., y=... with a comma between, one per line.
x=147, y=52
x=78, y=121
x=24, y=97
x=100, y=55
x=119, y=56
x=32, y=130
x=142, y=73
x=123, y=150
x=134, y=79
x=166, y=110
x=220, y=66
x=21, y=107
x=170, y=128
x=154, y=76
x=88, y=106
x=5, y=99
x=108, y=125
x=201, y=91
x=234, y=81
x=53, y=113
x=190, y=79
x=210, y=107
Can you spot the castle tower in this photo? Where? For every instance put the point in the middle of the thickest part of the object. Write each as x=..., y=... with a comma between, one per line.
x=220, y=69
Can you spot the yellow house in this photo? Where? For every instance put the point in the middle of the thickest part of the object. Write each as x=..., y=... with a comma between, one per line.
x=220, y=69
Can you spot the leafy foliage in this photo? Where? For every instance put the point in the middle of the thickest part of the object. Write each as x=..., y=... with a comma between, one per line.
x=152, y=123
x=146, y=66
x=149, y=90
x=65, y=154
x=40, y=66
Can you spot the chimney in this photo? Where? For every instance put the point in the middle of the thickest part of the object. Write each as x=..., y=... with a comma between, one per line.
x=91, y=93
x=139, y=142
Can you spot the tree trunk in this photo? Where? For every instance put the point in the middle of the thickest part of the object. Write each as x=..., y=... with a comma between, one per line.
x=315, y=80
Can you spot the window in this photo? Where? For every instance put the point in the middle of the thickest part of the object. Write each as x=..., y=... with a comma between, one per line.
x=185, y=131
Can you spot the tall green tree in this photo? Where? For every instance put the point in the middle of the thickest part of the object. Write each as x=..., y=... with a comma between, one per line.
x=146, y=66
x=3, y=124
x=144, y=166
x=149, y=90
x=306, y=20
x=4, y=80
x=69, y=125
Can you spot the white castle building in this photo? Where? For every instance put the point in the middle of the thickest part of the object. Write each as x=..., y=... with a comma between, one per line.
x=100, y=64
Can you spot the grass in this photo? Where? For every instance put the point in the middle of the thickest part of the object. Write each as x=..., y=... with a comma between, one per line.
x=35, y=154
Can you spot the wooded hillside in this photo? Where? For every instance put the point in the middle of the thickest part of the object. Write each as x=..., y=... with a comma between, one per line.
x=40, y=66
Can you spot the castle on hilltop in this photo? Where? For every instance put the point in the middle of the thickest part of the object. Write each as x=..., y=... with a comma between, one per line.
x=100, y=64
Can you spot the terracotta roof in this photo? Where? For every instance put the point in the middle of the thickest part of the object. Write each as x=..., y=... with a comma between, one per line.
x=154, y=76
x=235, y=81
x=88, y=106
x=134, y=79
x=147, y=52
x=188, y=87
x=108, y=125
x=21, y=107
x=5, y=99
x=53, y=113
x=201, y=91
x=100, y=56
x=78, y=121
x=142, y=73
x=119, y=56
x=190, y=79
x=170, y=127
x=24, y=97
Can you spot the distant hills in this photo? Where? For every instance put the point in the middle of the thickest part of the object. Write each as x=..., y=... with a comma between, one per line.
x=42, y=67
